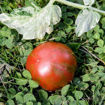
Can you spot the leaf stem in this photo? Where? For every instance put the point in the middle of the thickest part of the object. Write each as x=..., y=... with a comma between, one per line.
x=97, y=10
x=75, y=5
x=80, y=6
x=52, y=1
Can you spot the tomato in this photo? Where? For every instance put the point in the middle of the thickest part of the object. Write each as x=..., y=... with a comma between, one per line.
x=52, y=65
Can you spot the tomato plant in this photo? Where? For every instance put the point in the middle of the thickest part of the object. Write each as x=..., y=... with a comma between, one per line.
x=52, y=65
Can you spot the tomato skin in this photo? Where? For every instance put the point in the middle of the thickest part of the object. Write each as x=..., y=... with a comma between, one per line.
x=52, y=65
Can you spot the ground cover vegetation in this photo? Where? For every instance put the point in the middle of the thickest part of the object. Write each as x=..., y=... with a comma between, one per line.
x=88, y=85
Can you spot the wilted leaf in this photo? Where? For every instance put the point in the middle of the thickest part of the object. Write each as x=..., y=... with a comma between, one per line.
x=33, y=22
x=86, y=20
x=89, y=2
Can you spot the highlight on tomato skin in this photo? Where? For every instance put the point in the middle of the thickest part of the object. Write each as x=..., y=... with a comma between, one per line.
x=52, y=65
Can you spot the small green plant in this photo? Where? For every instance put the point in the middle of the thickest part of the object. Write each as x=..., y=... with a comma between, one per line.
x=88, y=86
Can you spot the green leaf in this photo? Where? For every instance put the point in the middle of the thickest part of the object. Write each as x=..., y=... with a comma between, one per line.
x=96, y=36
x=18, y=75
x=83, y=86
x=78, y=94
x=74, y=46
x=100, y=43
x=29, y=97
x=46, y=103
x=103, y=23
x=29, y=2
x=23, y=60
x=1, y=94
x=86, y=20
x=97, y=28
x=12, y=91
x=10, y=102
x=73, y=103
x=21, y=81
x=65, y=89
x=33, y=84
x=7, y=37
x=38, y=103
x=86, y=77
x=43, y=95
x=19, y=98
x=91, y=40
x=26, y=74
x=25, y=49
x=89, y=2
x=29, y=103
x=9, y=42
x=55, y=100
x=83, y=102
x=32, y=22
x=99, y=50
x=70, y=98
x=5, y=32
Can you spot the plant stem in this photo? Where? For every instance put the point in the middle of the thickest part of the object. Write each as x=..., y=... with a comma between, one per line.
x=75, y=5
x=79, y=6
x=93, y=55
x=97, y=10
x=51, y=1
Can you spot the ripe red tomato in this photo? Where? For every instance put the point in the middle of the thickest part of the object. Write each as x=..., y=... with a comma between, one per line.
x=52, y=65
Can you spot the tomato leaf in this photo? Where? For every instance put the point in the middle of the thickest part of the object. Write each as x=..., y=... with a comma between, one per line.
x=33, y=22
x=89, y=2
x=86, y=21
